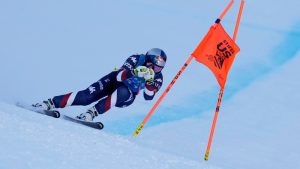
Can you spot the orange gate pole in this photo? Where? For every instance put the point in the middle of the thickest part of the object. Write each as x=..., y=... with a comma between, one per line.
x=222, y=88
x=162, y=96
x=214, y=124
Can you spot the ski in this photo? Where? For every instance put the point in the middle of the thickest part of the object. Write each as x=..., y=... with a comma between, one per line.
x=95, y=125
x=51, y=113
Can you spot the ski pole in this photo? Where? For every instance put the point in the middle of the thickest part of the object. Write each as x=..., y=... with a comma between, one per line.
x=140, y=127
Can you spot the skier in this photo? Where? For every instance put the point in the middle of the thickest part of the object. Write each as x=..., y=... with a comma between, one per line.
x=118, y=88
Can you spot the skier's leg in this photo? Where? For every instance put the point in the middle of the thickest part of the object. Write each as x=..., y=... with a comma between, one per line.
x=83, y=97
x=94, y=92
x=122, y=97
x=102, y=106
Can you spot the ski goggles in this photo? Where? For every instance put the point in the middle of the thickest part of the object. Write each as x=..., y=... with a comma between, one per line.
x=155, y=68
x=158, y=63
x=157, y=60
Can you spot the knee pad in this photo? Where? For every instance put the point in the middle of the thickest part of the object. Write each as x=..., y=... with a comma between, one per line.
x=124, y=97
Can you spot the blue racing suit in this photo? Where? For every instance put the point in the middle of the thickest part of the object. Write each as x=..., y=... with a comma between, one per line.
x=118, y=88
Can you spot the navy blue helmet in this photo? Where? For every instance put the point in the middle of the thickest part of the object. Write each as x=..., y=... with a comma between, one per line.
x=156, y=58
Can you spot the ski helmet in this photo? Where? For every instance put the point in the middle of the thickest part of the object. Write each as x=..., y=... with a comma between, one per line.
x=157, y=58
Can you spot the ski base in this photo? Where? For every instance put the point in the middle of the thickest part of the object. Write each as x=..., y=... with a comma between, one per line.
x=95, y=125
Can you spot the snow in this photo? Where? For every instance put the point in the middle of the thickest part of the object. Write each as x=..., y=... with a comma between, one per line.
x=37, y=141
x=53, y=47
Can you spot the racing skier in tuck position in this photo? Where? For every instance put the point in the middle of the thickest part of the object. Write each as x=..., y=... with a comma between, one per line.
x=118, y=88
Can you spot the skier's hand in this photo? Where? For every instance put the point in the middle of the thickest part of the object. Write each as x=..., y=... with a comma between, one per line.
x=140, y=71
x=149, y=75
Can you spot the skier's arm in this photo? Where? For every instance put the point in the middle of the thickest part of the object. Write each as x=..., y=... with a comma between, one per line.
x=126, y=71
x=151, y=88
x=131, y=62
x=141, y=72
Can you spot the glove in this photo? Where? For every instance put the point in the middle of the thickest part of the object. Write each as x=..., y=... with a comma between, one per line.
x=149, y=75
x=140, y=71
x=144, y=72
x=135, y=84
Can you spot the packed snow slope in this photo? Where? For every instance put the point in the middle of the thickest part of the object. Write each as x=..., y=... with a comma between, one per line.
x=32, y=141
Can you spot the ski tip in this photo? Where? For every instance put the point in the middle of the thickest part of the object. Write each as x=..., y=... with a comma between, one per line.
x=57, y=114
x=101, y=125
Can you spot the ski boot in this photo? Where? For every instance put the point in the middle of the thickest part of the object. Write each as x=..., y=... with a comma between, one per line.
x=89, y=115
x=45, y=105
x=46, y=108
